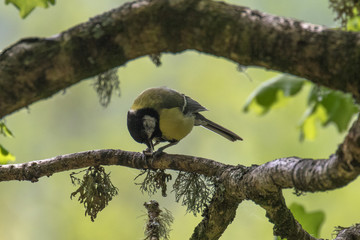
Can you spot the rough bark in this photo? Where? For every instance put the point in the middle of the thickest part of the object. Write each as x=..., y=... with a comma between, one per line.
x=217, y=217
x=350, y=233
x=153, y=224
x=36, y=68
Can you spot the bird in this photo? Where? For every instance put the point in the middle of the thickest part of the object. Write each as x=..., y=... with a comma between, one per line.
x=161, y=114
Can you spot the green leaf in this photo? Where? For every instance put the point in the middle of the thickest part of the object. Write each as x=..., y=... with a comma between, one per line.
x=353, y=23
x=327, y=106
x=5, y=156
x=339, y=107
x=5, y=130
x=270, y=92
x=313, y=114
x=310, y=221
x=26, y=6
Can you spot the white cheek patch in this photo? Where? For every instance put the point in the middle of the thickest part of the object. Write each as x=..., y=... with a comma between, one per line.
x=149, y=124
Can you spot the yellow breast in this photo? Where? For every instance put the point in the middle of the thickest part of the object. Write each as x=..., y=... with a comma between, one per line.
x=174, y=125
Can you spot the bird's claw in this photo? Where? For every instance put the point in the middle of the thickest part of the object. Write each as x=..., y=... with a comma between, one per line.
x=151, y=154
x=148, y=152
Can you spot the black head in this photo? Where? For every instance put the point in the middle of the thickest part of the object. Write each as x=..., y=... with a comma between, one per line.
x=143, y=125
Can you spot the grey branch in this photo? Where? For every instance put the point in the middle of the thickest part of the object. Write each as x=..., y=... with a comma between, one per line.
x=217, y=217
x=36, y=68
x=352, y=232
x=153, y=224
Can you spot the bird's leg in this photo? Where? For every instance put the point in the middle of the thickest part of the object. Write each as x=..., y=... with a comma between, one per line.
x=160, y=150
x=156, y=142
x=150, y=150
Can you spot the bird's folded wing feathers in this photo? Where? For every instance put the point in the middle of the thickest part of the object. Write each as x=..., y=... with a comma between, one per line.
x=192, y=106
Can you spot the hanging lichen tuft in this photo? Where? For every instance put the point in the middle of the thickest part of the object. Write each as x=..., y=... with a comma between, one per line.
x=95, y=190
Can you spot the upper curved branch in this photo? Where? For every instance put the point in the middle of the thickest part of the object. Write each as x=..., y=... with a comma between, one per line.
x=36, y=68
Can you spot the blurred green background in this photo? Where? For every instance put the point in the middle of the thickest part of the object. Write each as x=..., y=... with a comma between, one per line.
x=74, y=121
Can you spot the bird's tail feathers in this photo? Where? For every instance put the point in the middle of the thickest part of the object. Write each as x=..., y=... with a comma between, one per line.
x=226, y=133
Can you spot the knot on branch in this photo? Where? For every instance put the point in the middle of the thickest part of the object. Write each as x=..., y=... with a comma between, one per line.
x=31, y=172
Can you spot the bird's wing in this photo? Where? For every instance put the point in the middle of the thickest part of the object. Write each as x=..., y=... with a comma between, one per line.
x=192, y=106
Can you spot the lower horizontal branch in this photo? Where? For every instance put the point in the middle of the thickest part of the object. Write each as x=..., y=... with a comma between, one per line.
x=32, y=171
x=289, y=172
x=261, y=184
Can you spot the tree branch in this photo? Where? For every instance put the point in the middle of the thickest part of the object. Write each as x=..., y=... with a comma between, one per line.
x=261, y=184
x=36, y=68
x=32, y=171
x=285, y=225
x=352, y=232
x=217, y=217
x=313, y=175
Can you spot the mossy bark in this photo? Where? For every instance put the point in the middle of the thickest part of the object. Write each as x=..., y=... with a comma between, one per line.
x=36, y=68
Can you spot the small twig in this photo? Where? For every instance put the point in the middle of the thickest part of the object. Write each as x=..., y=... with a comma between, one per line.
x=158, y=224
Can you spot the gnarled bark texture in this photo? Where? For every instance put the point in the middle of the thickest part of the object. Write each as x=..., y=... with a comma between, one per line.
x=36, y=68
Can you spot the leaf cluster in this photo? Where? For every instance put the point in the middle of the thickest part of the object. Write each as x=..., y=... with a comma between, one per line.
x=327, y=106
x=95, y=190
x=5, y=155
x=323, y=105
x=25, y=7
x=345, y=9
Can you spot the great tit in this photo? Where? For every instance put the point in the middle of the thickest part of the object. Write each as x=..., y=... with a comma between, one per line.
x=162, y=114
